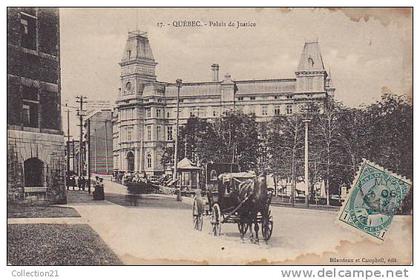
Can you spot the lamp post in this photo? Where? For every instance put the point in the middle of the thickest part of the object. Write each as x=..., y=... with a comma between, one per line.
x=306, y=122
x=178, y=85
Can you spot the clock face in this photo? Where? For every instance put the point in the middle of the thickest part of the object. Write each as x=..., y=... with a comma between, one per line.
x=128, y=86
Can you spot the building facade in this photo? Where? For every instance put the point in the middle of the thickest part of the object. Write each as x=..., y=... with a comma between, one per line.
x=145, y=113
x=100, y=144
x=36, y=164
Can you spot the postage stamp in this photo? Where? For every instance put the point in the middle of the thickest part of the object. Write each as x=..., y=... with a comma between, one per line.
x=374, y=198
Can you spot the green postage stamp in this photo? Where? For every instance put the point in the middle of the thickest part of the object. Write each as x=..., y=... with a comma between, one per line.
x=374, y=198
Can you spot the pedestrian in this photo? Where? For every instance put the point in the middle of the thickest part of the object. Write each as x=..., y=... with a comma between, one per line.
x=82, y=182
x=68, y=181
x=98, y=193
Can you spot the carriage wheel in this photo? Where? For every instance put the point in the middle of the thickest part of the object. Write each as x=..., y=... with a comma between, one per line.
x=216, y=218
x=243, y=228
x=197, y=217
x=267, y=226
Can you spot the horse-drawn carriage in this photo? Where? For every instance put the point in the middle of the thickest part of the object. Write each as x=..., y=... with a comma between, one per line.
x=241, y=198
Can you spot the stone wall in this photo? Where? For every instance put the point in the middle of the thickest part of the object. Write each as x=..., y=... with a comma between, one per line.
x=49, y=148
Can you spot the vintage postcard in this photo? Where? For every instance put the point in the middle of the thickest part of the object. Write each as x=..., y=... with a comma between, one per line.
x=209, y=136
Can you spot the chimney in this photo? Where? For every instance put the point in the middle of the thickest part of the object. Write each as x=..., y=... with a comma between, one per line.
x=215, y=70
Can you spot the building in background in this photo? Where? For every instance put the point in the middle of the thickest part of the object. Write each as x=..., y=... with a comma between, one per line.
x=145, y=112
x=73, y=156
x=93, y=105
x=36, y=165
x=100, y=145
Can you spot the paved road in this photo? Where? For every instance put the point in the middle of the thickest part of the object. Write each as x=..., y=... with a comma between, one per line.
x=149, y=235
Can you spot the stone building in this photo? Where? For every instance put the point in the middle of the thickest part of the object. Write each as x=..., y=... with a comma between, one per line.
x=36, y=165
x=100, y=141
x=145, y=112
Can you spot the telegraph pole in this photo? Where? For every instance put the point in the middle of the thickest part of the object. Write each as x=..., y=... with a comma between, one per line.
x=81, y=99
x=74, y=158
x=68, y=138
x=106, y=146
x=306, y=122
x=96, y=151
x=88, y=153
x=68, y=142
x=179, y=85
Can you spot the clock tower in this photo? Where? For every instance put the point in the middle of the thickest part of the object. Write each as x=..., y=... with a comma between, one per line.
x=138, y=82
x=137, y=65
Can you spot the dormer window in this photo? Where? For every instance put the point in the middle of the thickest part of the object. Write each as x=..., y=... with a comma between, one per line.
x=311, y=62
x=128, y=88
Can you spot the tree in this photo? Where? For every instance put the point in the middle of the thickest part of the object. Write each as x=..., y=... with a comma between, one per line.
x=325, y=141
x=390, y=138
x=285, y=145
x=231, y=138
x=237, y=135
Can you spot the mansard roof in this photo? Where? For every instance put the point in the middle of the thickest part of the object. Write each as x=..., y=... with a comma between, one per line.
x=266, y=86
x=194, y=89
x=137, y=47
x=246, y=87
x=311, y=59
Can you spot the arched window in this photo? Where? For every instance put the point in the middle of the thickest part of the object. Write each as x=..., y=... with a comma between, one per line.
x=33, y=169
x=213, y=175
x=149, y=161
x=130, y=161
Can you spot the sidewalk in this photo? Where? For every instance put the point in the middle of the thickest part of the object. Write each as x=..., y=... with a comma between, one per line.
x=50, y=236
x=68, y=220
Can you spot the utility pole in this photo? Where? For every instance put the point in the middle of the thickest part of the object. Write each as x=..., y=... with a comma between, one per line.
x=96, y=151
x=74, y=158
x=106, y=146
x=306, y=122
x=68, y=141
x=81, y=99
x=179, y=85
x=88, y=153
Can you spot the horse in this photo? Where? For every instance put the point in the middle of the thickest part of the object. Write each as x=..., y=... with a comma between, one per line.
x=254, y=191
x=249, y=198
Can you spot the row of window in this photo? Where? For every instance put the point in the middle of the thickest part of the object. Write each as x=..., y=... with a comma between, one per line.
x=127, y=133
x=265, y=110
x=159, y=133
x=131, y=164
x=183, y=112
x=242, y=98
x=207, y=112
x=127, y=114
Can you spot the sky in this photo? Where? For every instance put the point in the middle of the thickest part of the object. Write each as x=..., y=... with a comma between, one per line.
x=366, y=50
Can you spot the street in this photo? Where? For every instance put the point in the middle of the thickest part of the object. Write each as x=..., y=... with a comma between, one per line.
x=159, y=231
